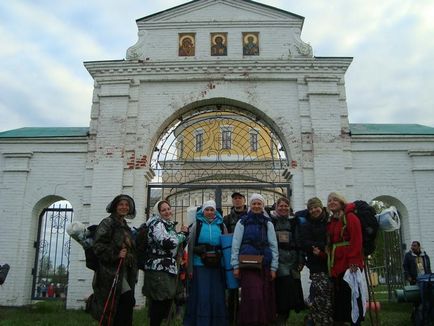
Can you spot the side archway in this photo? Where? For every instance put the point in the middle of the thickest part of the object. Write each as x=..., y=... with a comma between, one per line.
x=52, y=215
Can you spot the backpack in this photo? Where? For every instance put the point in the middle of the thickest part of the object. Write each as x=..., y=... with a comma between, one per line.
x=85, y=236
x=91, y=258
x=4, y=270
x=369, y=224
x=142, y=244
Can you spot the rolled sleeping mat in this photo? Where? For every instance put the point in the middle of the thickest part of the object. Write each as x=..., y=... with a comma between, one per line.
x=226, y=241
x=409, y=293
x=388, y=220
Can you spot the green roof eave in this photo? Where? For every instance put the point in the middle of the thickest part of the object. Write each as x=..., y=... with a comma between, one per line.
x=45, y=132
x=359, y=129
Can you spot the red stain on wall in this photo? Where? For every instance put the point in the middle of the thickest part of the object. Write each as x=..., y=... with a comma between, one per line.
x=137, y=163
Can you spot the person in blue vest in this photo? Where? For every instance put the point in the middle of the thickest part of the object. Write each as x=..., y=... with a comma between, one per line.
x=206, y=300
x=416, y=263
x=255, y=260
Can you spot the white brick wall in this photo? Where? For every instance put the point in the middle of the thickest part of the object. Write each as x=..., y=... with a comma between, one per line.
x=301, y=97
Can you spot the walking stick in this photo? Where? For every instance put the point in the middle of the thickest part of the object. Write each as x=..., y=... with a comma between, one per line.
x=371, y=298
x=173, y=304
x=111, y=294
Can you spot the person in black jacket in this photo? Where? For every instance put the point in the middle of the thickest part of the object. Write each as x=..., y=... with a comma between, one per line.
x=238, y=209
x=416, y=263
x=313, y=240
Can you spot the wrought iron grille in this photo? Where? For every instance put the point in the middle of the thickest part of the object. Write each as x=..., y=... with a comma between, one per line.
x=50, y=272
x=219, y=145
x=212, y=152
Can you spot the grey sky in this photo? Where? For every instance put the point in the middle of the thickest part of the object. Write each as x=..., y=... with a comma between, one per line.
x=44, y=43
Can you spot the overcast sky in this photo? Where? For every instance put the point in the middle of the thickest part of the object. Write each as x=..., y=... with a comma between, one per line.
x=44, y=43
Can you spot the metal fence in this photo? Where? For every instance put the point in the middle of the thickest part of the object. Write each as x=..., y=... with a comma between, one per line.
x=50, y=272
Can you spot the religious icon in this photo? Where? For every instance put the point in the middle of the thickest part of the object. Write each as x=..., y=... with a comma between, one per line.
x=219, y=44
x=251, y=43
x=187, y=44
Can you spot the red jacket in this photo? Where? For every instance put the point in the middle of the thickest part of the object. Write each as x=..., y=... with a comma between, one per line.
x=345, y=255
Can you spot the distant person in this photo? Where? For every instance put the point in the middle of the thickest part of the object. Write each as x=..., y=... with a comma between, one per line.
x=51, y=290
x=416, y=263
x=238, y=209
x=44, y=290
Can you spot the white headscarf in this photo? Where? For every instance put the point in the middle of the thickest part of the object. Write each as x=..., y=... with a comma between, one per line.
x=256, y=197
x=209, y=203
x=262, y=199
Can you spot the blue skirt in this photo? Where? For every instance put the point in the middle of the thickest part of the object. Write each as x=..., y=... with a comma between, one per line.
x=206, y=298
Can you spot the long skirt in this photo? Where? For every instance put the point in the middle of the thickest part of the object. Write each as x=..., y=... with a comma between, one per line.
x=342, y=301
x=206, y=298
x=289, y=295
x=258, y=305
x=321, y=310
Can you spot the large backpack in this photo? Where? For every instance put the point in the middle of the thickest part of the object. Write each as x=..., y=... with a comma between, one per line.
x=369, y=225
x=85, y=236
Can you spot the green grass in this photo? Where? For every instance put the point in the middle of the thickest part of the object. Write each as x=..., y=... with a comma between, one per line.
x=53, y=313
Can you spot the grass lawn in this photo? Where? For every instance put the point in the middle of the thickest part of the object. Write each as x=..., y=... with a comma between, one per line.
x=53, y=313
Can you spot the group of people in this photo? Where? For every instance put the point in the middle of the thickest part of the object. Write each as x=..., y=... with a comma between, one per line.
x=269, y=249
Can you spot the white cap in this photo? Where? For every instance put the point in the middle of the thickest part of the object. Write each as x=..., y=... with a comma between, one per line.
x=209, y=203
x=256, y=197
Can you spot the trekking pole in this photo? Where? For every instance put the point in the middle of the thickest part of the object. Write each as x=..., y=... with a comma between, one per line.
x=111, y=294
x=173, y=304
x=371, y=298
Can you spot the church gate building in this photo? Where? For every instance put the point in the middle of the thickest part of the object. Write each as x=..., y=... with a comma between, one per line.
x=216, y=96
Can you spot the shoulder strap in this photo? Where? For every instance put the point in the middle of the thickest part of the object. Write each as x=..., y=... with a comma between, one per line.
x=198, y=228
x=344, y=226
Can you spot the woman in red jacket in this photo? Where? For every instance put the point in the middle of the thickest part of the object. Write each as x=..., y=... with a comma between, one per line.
x=345, y=253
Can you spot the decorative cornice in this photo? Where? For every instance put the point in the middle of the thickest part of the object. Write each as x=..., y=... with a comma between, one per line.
x=124, y=69
x=420, y=153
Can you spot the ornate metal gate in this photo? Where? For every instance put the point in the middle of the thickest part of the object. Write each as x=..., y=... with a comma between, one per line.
x=50, y=272
x=214, y=151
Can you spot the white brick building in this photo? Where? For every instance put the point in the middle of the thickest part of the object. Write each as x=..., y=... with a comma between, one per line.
x=301, y=97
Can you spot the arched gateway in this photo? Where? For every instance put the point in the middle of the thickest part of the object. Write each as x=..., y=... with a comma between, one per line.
x=179, y=119
x=213, y=150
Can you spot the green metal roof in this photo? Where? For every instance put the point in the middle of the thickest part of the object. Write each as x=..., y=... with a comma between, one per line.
x=355, y=128
x=44, y=132
x=390, y=129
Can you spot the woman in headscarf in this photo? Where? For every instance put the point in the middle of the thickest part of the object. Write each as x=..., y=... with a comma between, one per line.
x=206, y=300
x=162, y=262
x=345, y=255
x=291, y=261
x=254, y=236
x=115, y=250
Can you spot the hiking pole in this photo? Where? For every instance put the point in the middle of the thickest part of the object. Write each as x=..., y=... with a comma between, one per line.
x=173, y=304
x=371, y=297
x=111, y=294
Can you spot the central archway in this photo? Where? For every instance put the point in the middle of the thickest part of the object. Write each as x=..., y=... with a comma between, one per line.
x=210, y=151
